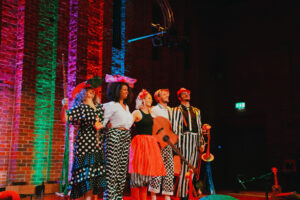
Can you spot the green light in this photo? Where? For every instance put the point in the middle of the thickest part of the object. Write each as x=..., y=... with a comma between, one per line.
x=45, y=90
x=240, y=105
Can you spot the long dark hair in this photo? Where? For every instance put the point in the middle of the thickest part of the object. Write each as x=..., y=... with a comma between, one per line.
x=113, y=92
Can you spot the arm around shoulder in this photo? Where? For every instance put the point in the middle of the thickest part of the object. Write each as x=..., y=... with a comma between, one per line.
x=137, y=116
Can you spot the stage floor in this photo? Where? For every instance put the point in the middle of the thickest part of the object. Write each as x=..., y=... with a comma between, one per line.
x=246, y=195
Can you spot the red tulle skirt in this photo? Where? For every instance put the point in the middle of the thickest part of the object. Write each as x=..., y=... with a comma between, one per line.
x=145, y=157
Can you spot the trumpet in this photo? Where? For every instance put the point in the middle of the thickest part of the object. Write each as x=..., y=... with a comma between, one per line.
x=207, y=157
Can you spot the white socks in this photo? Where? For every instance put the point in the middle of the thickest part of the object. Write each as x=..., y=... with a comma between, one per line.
x=153, y=196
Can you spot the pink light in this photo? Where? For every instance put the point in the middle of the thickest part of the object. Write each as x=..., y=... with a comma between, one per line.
x=11, y=72
x=72, y=63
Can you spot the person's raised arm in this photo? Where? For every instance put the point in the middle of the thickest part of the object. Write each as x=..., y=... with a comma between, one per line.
x=64, y=116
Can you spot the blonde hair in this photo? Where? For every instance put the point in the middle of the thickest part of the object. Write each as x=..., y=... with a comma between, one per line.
x=158, y=93
x=139, y=100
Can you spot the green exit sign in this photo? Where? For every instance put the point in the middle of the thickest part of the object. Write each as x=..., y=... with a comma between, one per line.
x=240, y=105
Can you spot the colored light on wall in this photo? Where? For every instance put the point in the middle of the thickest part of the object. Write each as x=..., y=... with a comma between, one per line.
x=95, y=39
x=45, y=90
x=18, y=77
x=118, y=55
x=11, y=72
x=240, y=105
x=72, y=63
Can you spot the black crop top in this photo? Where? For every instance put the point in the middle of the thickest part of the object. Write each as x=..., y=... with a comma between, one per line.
x=144, y=126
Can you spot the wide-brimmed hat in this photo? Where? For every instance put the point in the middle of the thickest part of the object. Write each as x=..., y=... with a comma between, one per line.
x=94, y=82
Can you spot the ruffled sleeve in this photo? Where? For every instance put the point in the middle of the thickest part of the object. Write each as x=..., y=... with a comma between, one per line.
x=109, y=110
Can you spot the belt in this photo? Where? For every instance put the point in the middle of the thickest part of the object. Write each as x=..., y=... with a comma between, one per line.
x=121, y=128
x=190, y=133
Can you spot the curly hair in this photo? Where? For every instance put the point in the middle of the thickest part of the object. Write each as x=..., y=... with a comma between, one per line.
x=79, y=98
x=113, y=92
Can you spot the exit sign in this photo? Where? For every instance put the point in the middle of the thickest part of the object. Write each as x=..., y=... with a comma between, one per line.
x=240, y=105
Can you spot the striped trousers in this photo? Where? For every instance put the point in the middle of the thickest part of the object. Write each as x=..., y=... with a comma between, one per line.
x=190, y=150
x=116, y=157
x=165, y=181
x=138, y=180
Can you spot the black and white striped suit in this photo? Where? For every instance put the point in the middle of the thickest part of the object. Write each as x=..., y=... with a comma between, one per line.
x=188, y=142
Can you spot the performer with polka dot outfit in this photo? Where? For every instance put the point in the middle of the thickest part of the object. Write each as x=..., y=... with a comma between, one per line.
x=88, y=169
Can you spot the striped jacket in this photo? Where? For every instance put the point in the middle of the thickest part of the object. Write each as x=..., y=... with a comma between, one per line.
x=177, y=122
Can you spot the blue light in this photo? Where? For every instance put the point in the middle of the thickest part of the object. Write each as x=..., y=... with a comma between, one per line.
x=118, y=55
x=146, y=36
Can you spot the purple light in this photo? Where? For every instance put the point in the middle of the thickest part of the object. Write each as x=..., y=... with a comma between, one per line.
x=72, y=63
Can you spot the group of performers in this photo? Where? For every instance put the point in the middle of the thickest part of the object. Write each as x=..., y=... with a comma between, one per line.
x=104, y=152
